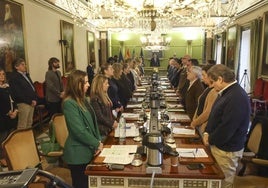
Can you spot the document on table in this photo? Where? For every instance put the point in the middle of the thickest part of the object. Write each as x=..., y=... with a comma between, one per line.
x=131, y=130
x=170, y=105
x=181, y=130
x=119, y=154
x=191, y=152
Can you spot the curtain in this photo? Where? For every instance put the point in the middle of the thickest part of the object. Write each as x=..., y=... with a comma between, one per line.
x=255, y=49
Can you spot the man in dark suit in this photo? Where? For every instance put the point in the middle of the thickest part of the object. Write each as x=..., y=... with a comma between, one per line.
x=24, y=93
x=155, y=61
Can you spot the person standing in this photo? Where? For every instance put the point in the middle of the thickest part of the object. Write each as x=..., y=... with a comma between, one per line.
x=102, y=105
x=84, y=139
x=194, y=90
x=205, y=102
x=8, y=112
x=22, y=87
x=54, y=87
x=228, y=122
x=155, y=61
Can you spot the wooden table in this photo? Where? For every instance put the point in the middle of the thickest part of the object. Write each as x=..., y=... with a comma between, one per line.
x=179, y=176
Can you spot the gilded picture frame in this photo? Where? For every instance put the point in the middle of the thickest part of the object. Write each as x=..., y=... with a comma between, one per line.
x=67, y=47
x=91, y=47
x=231, y=47
x=264, y=55
x=12, y=40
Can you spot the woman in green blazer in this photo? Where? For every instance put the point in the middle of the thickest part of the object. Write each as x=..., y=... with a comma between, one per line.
x=84, y=140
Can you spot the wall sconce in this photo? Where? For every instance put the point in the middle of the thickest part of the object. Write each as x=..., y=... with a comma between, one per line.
x=63, y=41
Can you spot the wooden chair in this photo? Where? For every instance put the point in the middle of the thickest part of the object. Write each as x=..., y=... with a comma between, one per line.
x=256, y=147
x=21, y=152
x=60, y=128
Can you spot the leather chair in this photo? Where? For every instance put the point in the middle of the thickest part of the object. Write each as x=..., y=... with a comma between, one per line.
x=21, y=152
x=259, y=96
x=256, y=152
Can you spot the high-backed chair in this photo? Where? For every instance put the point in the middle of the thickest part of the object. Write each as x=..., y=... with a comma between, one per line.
x=256, y=151
x=21, y=152
x=60, y=128
x=259, y=96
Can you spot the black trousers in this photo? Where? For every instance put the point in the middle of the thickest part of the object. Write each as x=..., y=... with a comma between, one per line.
x=79, y=179
x=54, y=107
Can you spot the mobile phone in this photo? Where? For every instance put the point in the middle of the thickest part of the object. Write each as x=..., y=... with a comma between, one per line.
x=195, y=166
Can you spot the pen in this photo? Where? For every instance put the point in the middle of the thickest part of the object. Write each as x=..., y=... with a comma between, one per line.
x=196, y=150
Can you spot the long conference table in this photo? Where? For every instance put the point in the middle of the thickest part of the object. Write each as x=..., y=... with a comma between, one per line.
x=180, y=176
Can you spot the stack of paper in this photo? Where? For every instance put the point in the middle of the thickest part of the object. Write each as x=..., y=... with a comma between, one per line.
x=182, y=130
x=131, y=130
x=119, y=154
x=191, y=152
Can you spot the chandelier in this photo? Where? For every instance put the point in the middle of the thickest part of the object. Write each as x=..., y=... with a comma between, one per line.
x=155, y=42
x=138, y=15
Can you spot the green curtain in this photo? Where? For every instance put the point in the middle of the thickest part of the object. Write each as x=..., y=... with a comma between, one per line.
x=255, y=49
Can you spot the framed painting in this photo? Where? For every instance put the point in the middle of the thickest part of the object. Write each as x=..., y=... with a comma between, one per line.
x=264, y=57
x=231, y=47
x=91, y=48
x=67, y=46
x=11, y=34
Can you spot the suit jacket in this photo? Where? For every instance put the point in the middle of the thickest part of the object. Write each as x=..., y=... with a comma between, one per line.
x=155, y=62
x=84, y=137
x=104, y=116
x=192, y=96
x=22, y=90
x=54, y=86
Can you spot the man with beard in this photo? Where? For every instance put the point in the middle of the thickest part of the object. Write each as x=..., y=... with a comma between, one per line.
x=54, y=87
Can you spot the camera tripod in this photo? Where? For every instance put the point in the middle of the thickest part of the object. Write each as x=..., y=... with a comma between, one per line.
x=244, y=79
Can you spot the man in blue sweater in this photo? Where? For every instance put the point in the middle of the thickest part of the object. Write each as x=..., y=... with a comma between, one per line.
x=228, y=122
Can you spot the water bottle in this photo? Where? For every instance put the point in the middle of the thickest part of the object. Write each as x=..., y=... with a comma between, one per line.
x=122, y=129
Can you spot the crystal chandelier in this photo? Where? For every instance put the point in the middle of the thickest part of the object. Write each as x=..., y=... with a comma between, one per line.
x=138, y=14
x=155, y=42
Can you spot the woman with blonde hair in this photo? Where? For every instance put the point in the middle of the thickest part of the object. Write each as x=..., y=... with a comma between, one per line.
x=124, y=89
x=102, y=105
x=84, y=140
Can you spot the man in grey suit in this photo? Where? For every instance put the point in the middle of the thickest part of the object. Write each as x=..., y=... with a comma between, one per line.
x=54, y=86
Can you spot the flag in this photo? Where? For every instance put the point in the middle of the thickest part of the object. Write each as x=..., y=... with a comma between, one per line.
x=141, y=56
x=120, y=58
x=133, y=53
x=127, y=54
